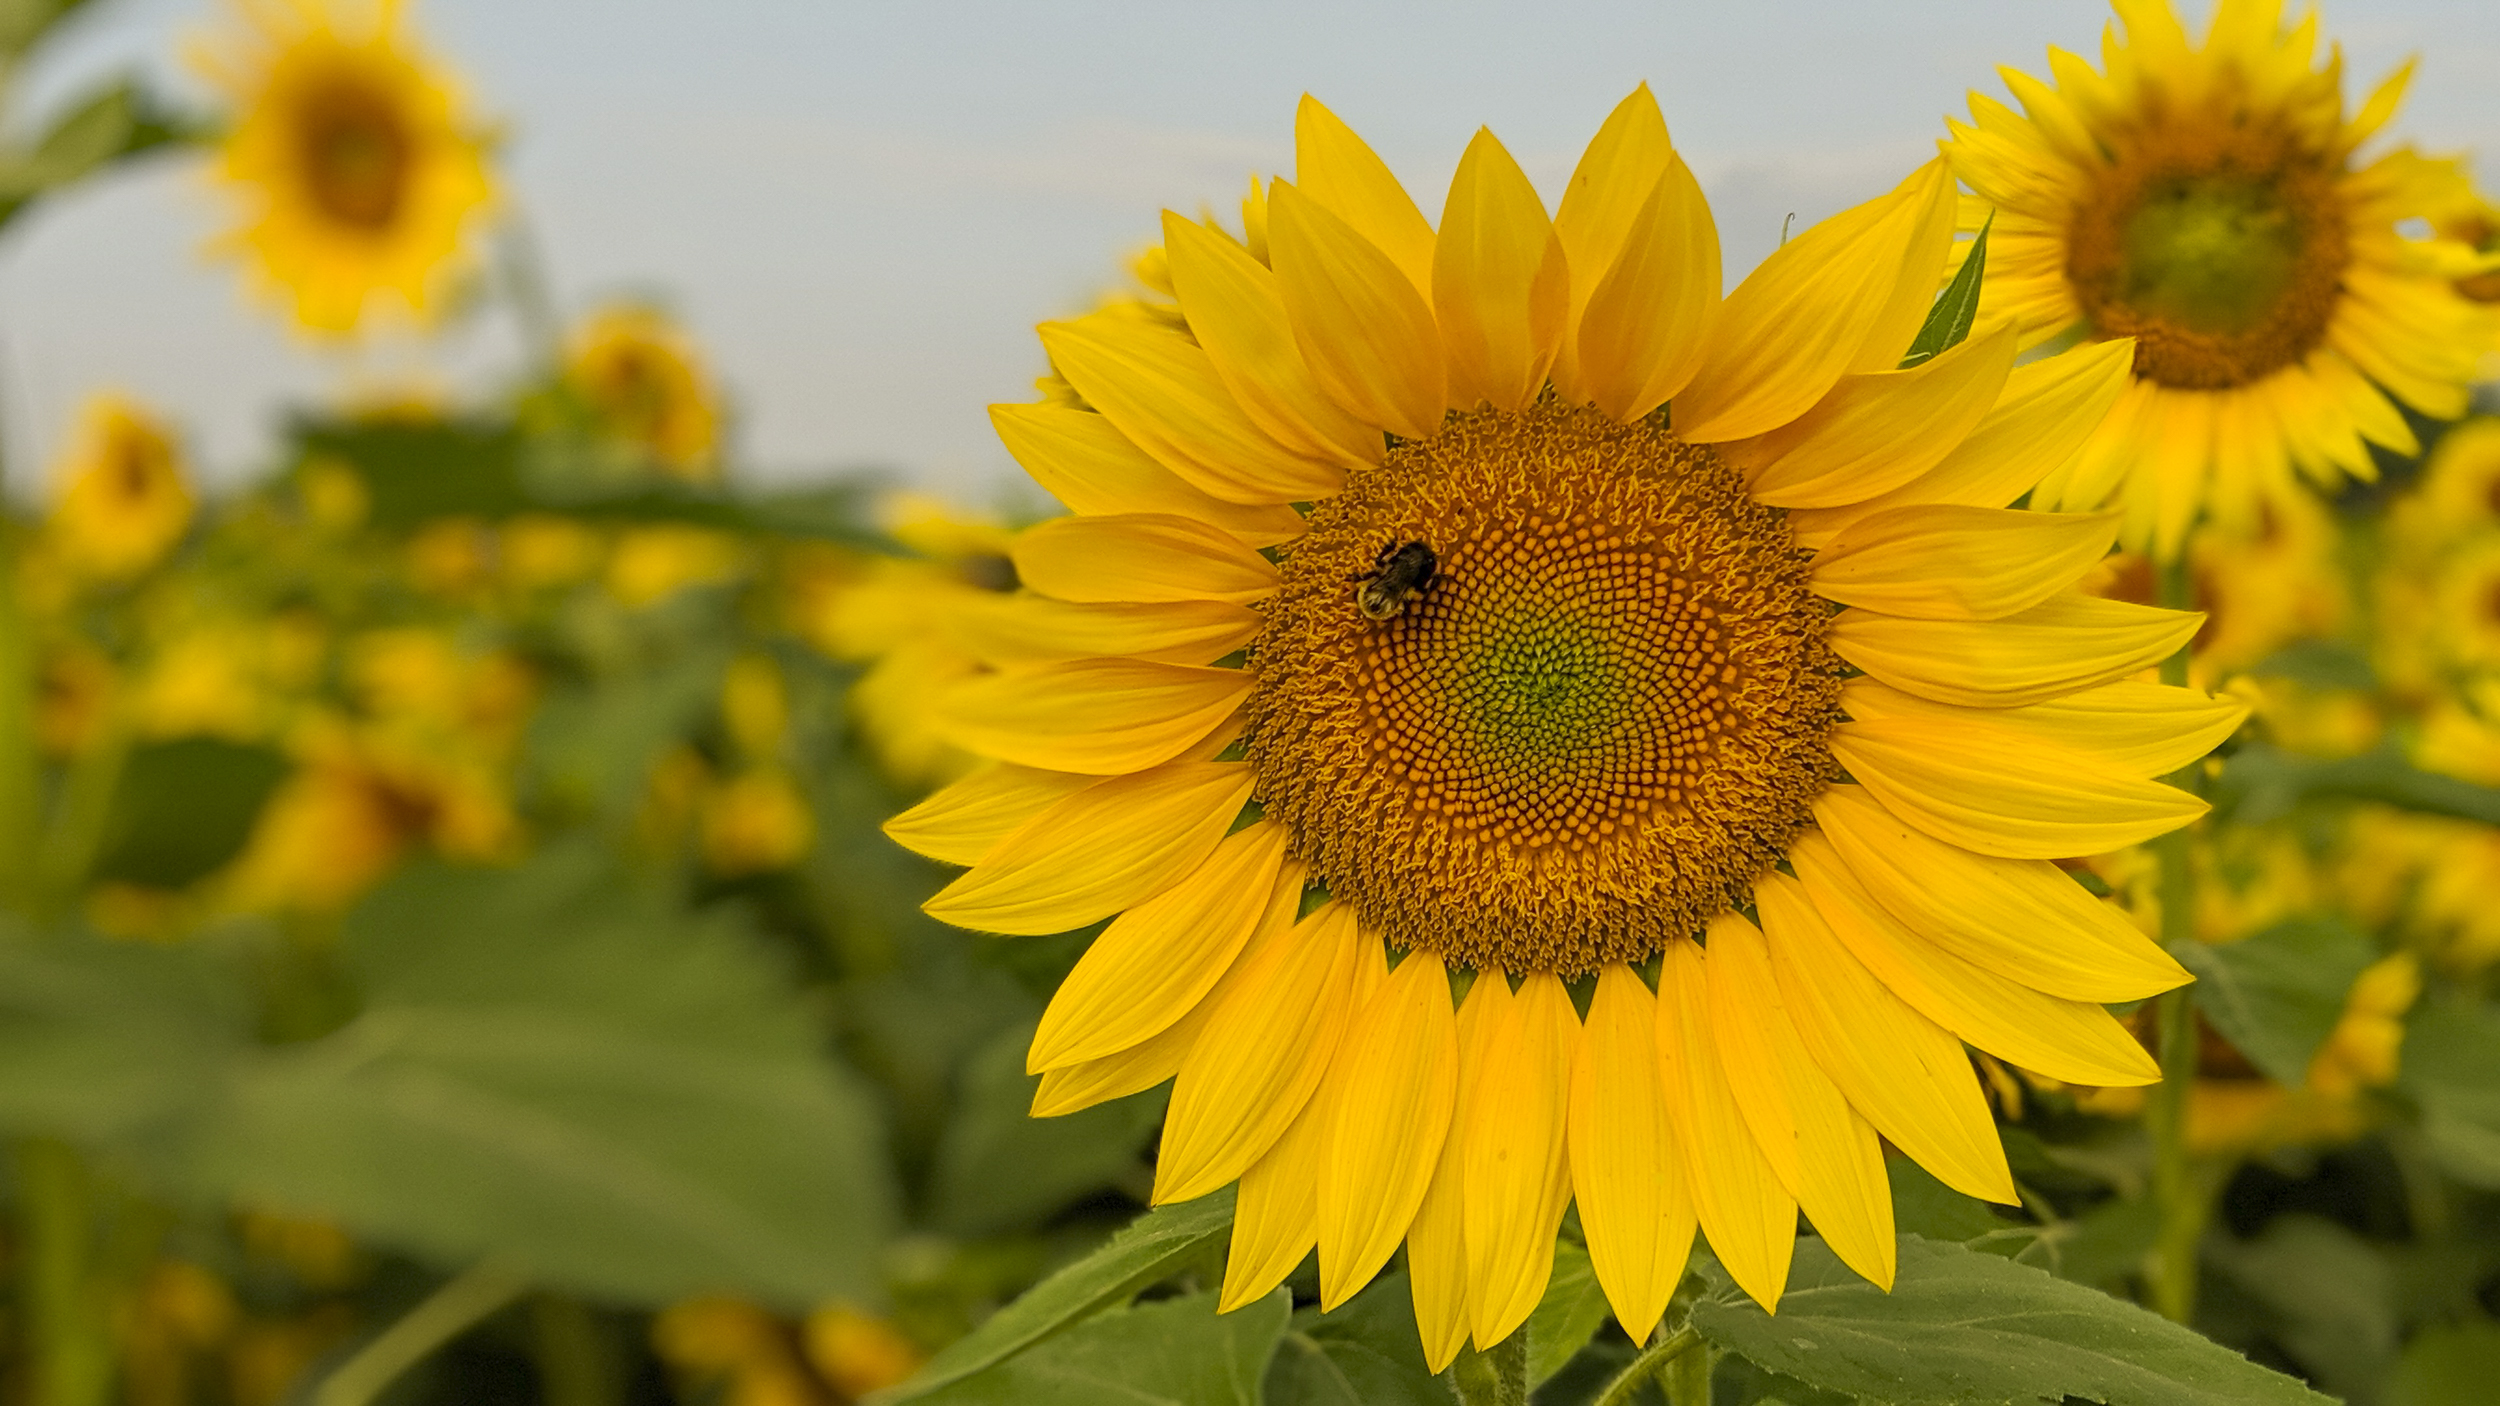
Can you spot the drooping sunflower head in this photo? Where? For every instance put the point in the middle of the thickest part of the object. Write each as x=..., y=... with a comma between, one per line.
x=644, y=380
x=1497, y=605
x=356, y=167
x=124, y=501
x=2209, y=204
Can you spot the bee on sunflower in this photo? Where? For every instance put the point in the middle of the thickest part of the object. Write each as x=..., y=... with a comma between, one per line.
x=356, y=167
x=2210, y=205
x=1733, y=701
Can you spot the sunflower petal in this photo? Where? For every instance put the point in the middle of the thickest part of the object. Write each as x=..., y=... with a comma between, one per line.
x=1902, y=1071
x=1236, y=313
x=1626, y=1167
x=1394, y=1085
x=1158, y=1058
x=1161, y=390
x=1516, y=1176
x=1365, y=332
x=2075, y=1041
x=1083, y=460
x=1879, y=430
x=2065, y=644
x=1092, y=715
x=1157, y=960
x=1276, y=1213
x=960, y=822
x=1614, y=179
x=1810, y=314
x=1499, y=288
x=1143, y=557
x=2023, y=917
x=1938, y=562
x=1436, y=1245
x=1646, y=326
x=2131, y=728
x=1009, y=630
x=1099, y=851
x=1339, y=170
x=1840, y=1181
x=1261, y=1055
x=1743, y=1206
x=1995, y=793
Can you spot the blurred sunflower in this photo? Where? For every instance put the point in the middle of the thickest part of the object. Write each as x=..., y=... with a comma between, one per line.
x=643, y=380
x=912, y=621
x=1550, y=682
x=357, y=166
x=123, y=502
x=2207, y=203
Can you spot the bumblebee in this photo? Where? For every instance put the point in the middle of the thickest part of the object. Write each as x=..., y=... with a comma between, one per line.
x=1401, y=573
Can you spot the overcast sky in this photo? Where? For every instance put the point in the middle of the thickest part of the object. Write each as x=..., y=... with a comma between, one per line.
x=862, y=209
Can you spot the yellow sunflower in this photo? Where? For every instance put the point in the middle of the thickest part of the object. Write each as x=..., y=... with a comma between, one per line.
x=123, y=501
x=1466, y=608
x=358, y=169
x=641, y=375
x=2208, y=204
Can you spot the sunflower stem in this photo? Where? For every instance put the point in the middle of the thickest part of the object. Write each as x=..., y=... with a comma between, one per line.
x=1497, y=1376
x=2178, y=1188
x=1672, y=1354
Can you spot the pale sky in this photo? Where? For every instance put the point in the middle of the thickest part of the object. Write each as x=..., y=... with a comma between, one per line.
x=862, y=209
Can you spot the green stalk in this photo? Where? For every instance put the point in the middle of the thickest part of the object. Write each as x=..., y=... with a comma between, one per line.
x=1672, y=1354
x=21, y=793
x=2179, y=1188
x=1498, y=1376
x=67, y=1335
x=470, y=1298
x=575, y=1354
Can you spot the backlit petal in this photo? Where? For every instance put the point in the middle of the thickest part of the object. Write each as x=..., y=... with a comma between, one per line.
x=958, y=823
x=1099, y=851
x=1393, y=1088
x=1499, y=288
x=2063, y=645
x=1142, y=557
x=1336, y=168
x=1940, y=562
x=1627, y=1170
x=1517, y=1178
x=1646, y=326
x=1093, y=715
x=1083, y=460
x=2130, y=727
x=1365, y=332
x=1744, y=1208
x=1878, y=430
x=1236, y=313
x=1997, y=793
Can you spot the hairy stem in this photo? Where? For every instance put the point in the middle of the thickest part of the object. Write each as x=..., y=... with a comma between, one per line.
x=1497, y=1376
x=2179, y=1188
x=1675, y=1350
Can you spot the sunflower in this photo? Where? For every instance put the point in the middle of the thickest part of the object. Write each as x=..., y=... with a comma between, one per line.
x=2208, y=204
x=1464, y=609
x=641, y=376
x=356, y=165
x=123, y=501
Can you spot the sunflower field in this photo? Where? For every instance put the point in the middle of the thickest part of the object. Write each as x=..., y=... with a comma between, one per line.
x=1526, y=815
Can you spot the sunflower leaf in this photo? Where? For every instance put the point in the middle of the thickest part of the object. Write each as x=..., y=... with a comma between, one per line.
x=1366, y=1353
x=2276, y=995
x=2451, y=1068
x=2261, y=783
x=1567, y=1317
x=1961, y=1328
x=1949, y=321
x=1149, y=1250
x=1179, y=1352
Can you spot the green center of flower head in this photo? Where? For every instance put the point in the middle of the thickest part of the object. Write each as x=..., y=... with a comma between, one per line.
x=1580, y=738
x=2219, y=248
x=2214, y=254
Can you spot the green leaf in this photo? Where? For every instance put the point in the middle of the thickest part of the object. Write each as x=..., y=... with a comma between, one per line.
x=2451, y=1068
x=2446, y=1365
x=1179, y=1352
x=1152, y=1248
x=999, y=1167
x=415, y=472
x=2108, y=1242
x=1949, y=321
x=2262, y=783
x=1922, y=1205
x=1572, y=1311
x=555, y=1067
x=2332, y=1296
x=2277, y=995
x=1367, y=1353
x=182, y=809
x=2323, y=664
x=113, y=1044
x=1961, y=1328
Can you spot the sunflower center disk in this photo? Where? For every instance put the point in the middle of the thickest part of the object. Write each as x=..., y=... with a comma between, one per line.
x=355, y=156
x=2219, y=247
x=1600, y=721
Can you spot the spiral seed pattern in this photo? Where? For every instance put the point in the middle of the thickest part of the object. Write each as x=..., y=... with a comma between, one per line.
x=1603, y=720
